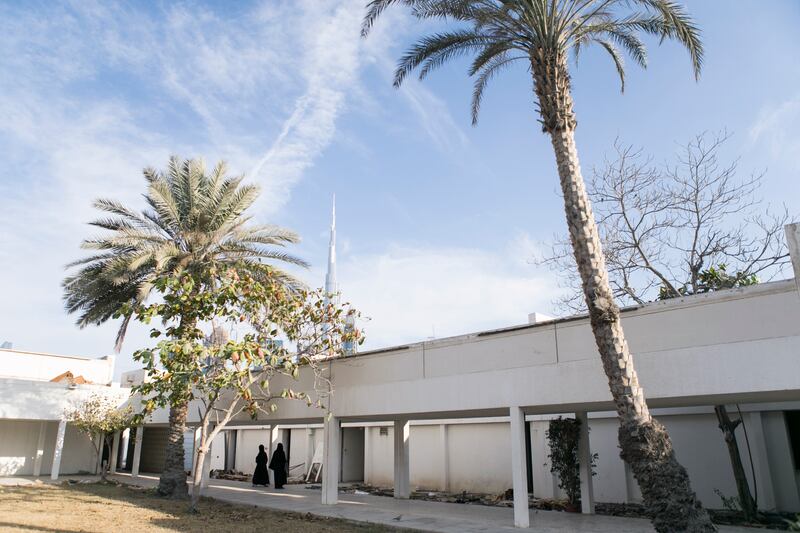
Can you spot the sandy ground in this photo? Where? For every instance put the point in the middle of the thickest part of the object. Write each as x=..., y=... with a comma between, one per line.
x=93, y=507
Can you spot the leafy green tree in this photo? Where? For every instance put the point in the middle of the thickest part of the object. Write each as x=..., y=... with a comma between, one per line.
x=194, y=220
x=711, y=279
x=542, y=34
x=225, y=378
x=100, y=416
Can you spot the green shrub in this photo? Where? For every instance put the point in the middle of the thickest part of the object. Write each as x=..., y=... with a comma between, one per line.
x=563, y=436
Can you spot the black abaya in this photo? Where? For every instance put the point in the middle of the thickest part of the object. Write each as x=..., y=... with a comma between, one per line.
x=261, y=476
x=278, y=467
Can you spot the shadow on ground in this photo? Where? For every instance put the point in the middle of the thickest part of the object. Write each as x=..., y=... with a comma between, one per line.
x=108, y=506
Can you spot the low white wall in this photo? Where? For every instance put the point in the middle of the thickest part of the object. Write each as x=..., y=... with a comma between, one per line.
x=18, y=445
x=480, y=457
x=247, y=441
x=700, y=448
x=427, y=457
x=380, y=454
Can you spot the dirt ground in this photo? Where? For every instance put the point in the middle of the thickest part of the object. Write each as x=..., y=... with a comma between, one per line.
x=117, y=508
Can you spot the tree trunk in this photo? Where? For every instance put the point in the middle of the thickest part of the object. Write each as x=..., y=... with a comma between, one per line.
x=728, y=427
x=197, y=477
x=172, y=482
x=198, y=470
x=643, y=441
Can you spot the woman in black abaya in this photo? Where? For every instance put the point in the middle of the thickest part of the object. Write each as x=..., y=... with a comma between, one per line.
x=278, y=467
x=261, y=476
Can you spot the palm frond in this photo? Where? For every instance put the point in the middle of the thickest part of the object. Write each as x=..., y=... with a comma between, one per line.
x=432, y=51
x=194, y=220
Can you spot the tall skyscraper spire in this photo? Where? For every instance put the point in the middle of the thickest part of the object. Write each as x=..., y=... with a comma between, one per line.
x=331, y=285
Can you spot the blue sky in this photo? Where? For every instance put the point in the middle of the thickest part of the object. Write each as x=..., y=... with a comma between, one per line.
x=437, y=220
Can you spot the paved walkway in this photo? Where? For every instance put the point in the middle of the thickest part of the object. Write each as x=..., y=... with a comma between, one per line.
x=413, y=514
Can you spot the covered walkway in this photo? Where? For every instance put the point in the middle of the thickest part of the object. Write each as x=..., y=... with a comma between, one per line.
x=412, y=514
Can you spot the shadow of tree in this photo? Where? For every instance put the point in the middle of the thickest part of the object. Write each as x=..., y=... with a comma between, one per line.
x=109, y=506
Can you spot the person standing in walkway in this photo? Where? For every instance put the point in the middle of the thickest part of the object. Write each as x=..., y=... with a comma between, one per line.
x=261, y=476
x=279, y=467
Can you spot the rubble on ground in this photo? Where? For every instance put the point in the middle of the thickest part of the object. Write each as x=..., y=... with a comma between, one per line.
x=232, y=475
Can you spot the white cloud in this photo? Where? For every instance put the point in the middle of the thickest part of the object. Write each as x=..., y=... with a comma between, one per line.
x=411, y=293
x=777, y=129
x=94, y=92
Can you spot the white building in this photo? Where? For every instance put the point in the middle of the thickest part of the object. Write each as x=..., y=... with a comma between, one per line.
x=34, y=438
x=739, y=347
x=469, y=413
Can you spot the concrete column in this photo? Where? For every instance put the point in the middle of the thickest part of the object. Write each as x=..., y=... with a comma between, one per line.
x=332, y=453
x=402, y=481
x=585, y=459
x=309, y=447
x=273, y=443
x=793, y=243
x=112, y=457
x=444, y=447
x=37, y=462
x=137, y=450
x=519, y=468
x=126, y=435
x=367, y=455
x=62, y=428
x=758, y=447
x=239, y=447
x=99, y=464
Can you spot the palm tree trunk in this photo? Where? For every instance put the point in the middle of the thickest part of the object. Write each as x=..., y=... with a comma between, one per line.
x=644, y=442
x=172, y=482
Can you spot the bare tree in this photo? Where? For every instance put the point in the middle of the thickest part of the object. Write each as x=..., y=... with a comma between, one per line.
x=684, y=228
x=679, y=228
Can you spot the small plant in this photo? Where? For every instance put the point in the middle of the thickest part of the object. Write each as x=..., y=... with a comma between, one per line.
x=793, y=525
x=730, y=503
x=563, y=436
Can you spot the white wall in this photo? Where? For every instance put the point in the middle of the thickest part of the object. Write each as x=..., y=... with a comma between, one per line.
x=700, y=448
x=482, y=374
x=18, y=445
x=427, y=457
x=380, y=470
x=479, y=461
x=247, y=441
x=44, y=367
x=42, y=400
x=480, y=457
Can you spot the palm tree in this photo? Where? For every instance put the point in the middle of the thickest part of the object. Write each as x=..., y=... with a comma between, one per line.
x=194, y=221
x=542, y=34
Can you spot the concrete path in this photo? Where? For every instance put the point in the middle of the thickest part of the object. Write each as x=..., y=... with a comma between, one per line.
x=414, y=514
